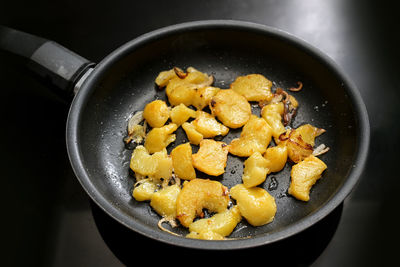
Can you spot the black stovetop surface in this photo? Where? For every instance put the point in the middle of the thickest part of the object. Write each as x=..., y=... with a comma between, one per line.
x=47, y=219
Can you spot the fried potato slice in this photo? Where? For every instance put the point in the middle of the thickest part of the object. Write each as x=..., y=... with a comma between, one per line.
x=309, y=133
x=164, y=77
x=159, y=138
x=272, y=113
x=255, y=137
x=182, y=88
x=304, y=175
x=203, y=96
x=145, y=190
x=164, y=201
x=256, y=205
x=208, y=126
x=211, y=157
x=142, y=162
x=221, y=223
x=276, y=158
x=254, y=87
x=199, y=194
x=156, y=113
x=193, y=135
x=255, y=170
x=182, y=162
x=231, y=108
x=181, y=113
x=300, y=141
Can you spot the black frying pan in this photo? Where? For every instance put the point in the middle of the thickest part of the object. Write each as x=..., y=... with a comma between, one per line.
x=109, y=92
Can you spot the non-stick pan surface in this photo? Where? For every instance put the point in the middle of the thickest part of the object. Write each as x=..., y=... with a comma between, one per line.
x=124, y=82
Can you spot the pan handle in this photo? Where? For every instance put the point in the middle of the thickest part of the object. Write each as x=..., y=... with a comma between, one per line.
x=54, y=63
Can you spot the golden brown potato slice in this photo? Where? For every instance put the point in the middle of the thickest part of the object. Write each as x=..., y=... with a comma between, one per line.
x=208, y=126
x=179, y=91
x=182, y=88
x=296, y=147
x=156, y=113
x=182, y=162
x=164, y=77
x=254, y=87
x=276, y=157
x=159, y=138
x=255, y=137
x=309, y=132
x=304, y=175
x=199, y=194
x=300, y=141
x=211, y=157
x=203, y=96
x=164, y=201
x=193, y=135
x=221, y=223
x=164, y=165
x=231, y=108
x=142, y=162
x=255, y=204
x=181, y=113
x=255, y=170
x=145, y=190
x=272, y=113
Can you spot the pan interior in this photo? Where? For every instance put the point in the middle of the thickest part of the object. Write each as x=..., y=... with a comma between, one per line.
x=125, y=83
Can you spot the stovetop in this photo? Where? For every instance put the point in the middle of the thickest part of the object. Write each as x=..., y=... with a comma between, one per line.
x=48, y=220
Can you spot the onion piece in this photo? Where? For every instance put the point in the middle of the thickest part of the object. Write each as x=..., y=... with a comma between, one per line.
x=321, y=149
x=136, y=132
x=171, y=221
x=298, y=88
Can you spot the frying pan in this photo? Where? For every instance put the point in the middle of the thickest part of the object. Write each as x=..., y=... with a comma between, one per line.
x=108, y=93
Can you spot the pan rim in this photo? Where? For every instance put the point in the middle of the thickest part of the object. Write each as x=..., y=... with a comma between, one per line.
x=87, y=88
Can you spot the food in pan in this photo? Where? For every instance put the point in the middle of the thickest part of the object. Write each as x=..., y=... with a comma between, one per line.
x=205, y=206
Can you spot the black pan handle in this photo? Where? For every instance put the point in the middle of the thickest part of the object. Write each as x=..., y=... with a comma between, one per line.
x=54, y=63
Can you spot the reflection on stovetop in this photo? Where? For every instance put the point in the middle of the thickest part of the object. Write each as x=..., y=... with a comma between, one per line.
x=299, y=250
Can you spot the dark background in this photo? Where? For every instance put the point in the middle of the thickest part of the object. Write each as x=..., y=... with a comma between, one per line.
x=47, y=219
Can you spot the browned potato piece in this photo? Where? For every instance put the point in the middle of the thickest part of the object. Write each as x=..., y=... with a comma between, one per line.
x=164, y=165
x=255, y=170
x=297, y=148
x=300, y=141
x=221, y=223
x=193, y=135
x=156, y=113
x=304, y=175
x=182, y=89
x=142, y=162
x=231, y=108
x=255, y=137
x=203, y=96
x=181, y=113
x=198, y=194
x=179, y=91
x=276, y=157
x=182, y=162
x=309, y=132
x=164, y=201
x=272, y=113
x=254, y=87
x=208, y=126
x=159, y=138
x=211, y=157
x=256, y=205
x=145, y=190
x=164, y=77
